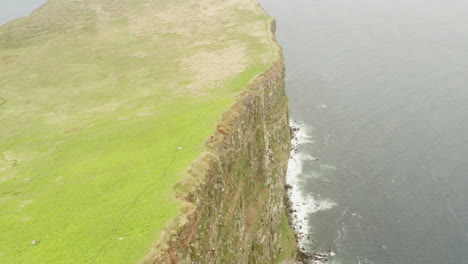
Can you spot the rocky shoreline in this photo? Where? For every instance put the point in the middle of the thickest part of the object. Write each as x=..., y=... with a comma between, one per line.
x=297, y=218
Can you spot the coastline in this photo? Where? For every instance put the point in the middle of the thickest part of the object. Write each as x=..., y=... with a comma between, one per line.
x=299, y=206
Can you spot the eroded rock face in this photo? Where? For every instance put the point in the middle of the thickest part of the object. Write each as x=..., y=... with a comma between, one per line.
x=235, y=190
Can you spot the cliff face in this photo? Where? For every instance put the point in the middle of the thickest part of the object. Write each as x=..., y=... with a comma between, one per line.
x=235, y=191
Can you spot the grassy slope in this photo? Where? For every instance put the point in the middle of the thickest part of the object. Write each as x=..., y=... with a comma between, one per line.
x=288, y=242
x=94, y=105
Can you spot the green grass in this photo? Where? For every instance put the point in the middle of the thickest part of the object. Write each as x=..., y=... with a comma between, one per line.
x=288, y=240
x=90, y=131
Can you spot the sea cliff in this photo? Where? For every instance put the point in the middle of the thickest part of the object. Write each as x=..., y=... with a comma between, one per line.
x=125, y=123
x=235, y=190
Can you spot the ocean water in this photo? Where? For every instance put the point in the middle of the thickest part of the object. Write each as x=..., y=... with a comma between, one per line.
x=13, y=9
x=379, y=90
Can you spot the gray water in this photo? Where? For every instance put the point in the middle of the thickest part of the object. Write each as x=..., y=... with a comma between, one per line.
x=13, y=9
x=383, y=88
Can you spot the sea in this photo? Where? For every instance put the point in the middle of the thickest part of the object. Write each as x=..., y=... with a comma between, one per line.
x=379, y=92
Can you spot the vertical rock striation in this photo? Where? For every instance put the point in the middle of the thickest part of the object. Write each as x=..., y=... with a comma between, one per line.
x=235, y=190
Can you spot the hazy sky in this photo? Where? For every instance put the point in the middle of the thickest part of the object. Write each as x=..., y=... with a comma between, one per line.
x=12, y=9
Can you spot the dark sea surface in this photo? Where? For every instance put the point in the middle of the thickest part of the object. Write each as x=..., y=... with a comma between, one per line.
x=380, y=91
x=13, y=9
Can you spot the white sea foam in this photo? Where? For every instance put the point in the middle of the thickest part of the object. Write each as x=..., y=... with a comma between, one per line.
x=313, y=176
x=323, y=106
x=302, y=205
x=327, y=167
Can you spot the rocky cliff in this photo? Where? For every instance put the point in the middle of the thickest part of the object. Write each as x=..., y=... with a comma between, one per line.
x=235, y=190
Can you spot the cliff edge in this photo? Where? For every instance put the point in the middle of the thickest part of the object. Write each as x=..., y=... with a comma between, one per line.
x=235, y=190
x=125, y=122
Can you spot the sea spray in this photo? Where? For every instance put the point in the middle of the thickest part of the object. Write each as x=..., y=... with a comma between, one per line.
x=302, y=205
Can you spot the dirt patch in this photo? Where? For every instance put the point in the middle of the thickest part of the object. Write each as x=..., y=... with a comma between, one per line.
x=8, y=59
x=210, y=69
x=188, y=19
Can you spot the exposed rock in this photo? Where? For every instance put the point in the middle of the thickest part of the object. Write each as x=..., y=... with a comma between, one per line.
x=243, y=212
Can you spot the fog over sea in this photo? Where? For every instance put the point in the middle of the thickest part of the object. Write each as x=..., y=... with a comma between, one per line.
x=13, y=9
x=379, y=89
